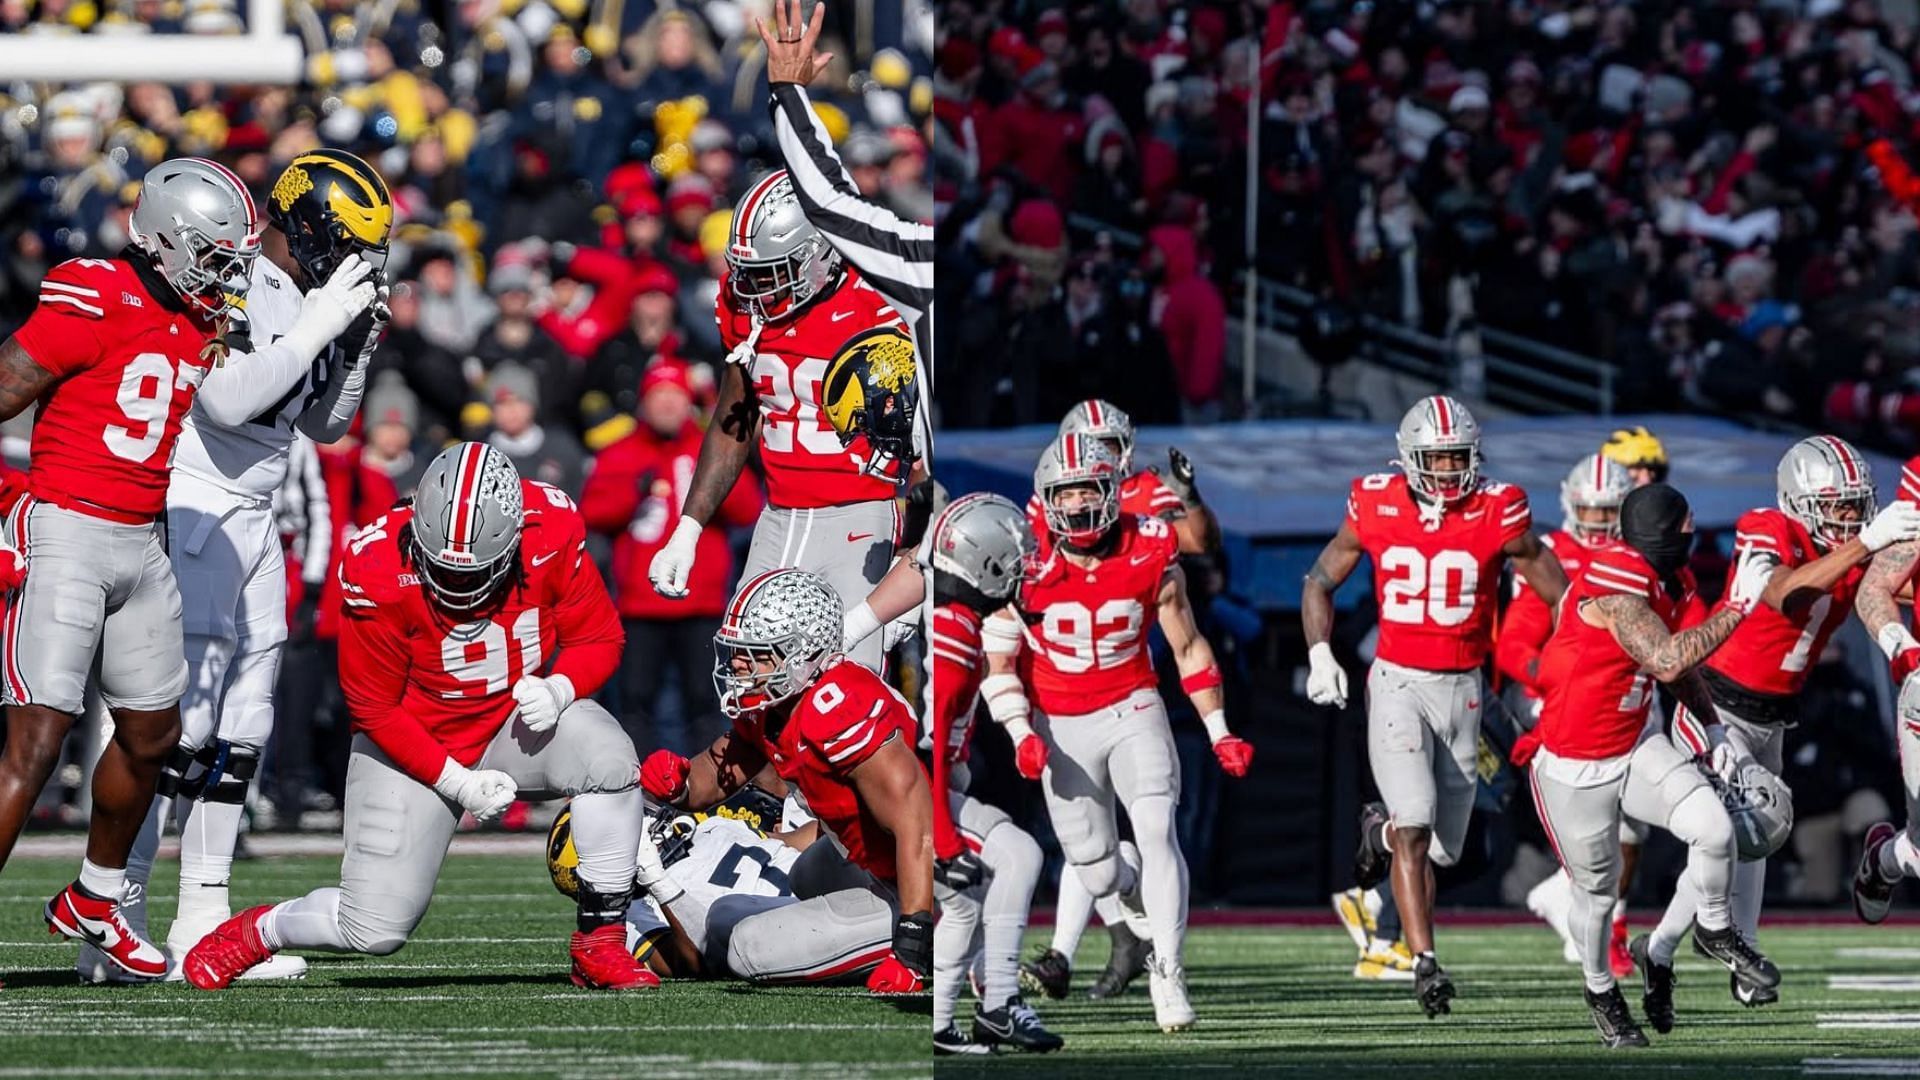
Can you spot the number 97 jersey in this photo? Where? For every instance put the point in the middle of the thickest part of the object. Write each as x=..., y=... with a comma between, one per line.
x=1437, y=586
x=1085, y=630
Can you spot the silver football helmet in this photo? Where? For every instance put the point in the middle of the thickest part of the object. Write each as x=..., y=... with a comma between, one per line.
x=778, y=632
x=985, y=541
x=1102, y=421
x=1761, y=806
x=467, y=517
x=1595, y=484
x=1079, y=460
x=197, y=222
x=778, y=260
x=1819, y=479
x=1439, y=425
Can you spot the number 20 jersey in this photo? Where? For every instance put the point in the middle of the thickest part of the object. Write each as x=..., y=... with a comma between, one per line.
x=401, y=654
x=1085, y=630
x=1437, y=588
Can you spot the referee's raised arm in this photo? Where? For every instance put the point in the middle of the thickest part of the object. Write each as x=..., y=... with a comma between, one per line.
x=894, y=255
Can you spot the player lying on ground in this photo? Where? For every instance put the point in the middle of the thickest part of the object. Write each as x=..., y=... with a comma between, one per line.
x=702, y=873
x=451, y=606
x=297, y=364
x=985, y=866
x=842, y=740
x=1438, y=536
x=1619, y=632
x=113, y=355
x=1076, y=640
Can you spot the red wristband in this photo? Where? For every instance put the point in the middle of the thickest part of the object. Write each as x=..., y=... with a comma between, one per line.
x=1206, y=679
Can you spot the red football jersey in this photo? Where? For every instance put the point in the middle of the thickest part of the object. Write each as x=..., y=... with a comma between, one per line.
x=840, y=721
x=1086, y=629
x=1437, y=587
x=1143, y=494
x=1910, y=480
x=1771, y=652
x=805, y=464
x=1596, y=695
x=424, y=686
x=958, y=665
x=129, y=358
x=1528, y=622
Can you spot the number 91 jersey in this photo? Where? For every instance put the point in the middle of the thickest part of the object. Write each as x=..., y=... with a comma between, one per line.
x=401, y=654
x=806, y=466
x=1437, y=587
x=1086, y=629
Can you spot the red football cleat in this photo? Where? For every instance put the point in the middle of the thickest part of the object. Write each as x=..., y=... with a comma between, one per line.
x=226, y=953
x=1619, y=958
x=601, y=961
x=96, y=920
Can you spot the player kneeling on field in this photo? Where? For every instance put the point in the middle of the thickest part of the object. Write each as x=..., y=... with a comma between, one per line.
x=843, y=740
x=451, y=604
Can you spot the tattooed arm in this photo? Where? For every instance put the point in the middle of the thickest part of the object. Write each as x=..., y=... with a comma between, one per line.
x=1664, y=655
x=726, y=447
x=1537, y=563
x=1335, y=565
x=1877, y=603
x=22, y=381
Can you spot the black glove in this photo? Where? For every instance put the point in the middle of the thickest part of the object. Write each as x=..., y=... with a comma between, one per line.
x=913, y=942
x=306, y=617
x=919, y=514
x=1180, y=476
x=960, y=873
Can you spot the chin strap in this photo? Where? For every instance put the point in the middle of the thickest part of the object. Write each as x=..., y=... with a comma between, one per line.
x=1432, y=512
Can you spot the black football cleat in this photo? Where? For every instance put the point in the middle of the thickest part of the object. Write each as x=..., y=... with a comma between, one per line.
x=1127, y=962
x=1014, y=1025
x=1615, y=1023
x=949, y=1041
x=1047, y=973
x=1656, y=986
x=1432, y=986
x=1372, y=859
x=1755, y=980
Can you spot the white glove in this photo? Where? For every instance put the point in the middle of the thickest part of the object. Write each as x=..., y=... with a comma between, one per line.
x=1899, y=521
x=327, y=311
x=650, y=872
x=1326, y=680
x=485, y=793
x=542, y=700
x=1723, y=754
x=1750, y=577
x=672, y=564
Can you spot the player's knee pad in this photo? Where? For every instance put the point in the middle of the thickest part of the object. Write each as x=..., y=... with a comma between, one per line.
x=1701, y=821
x=1100, y=876
x=229, y=769
x=185, y=771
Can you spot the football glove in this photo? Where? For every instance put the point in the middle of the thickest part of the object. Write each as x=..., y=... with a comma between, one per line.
x=484, y=793
x=674, y=562
x=1326, y=679
x=664, y=775
x=13, y=568
x=327, y=311
x=1750, y=577
x=542, y=700
x=1030, y=756
x=1899, y=521
x=1235, y=755
x=1904, y=662
x=960, y=873
x=905, y=969
x=1180, y=475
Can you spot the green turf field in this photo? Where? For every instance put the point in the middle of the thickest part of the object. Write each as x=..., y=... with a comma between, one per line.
x=1281, y=1002
x=481, y=991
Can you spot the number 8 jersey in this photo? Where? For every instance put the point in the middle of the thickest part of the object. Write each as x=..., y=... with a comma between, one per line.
x=1086, y=629
x=424, y=685
x=1437, y=587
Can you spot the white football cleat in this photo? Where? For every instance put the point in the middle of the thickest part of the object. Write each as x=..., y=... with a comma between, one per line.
x=1552, y=902
x=184, y=934
x=1167, y=983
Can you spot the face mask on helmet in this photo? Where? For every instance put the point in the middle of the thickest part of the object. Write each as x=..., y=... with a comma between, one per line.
x=672, y=833
x=775, y=289
x=1593, y=523
x=1833, y=519
x=871, y=392
x=464, y=590
x=1081, y=511
x=752, y=676
x=330, y=204
x=1445, y=473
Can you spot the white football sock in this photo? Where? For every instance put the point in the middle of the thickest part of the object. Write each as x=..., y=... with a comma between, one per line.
x=305, y=922
x=1016, y=861
x=953, y=938
x=606, y=833
x=1071, y=913
x=109, y=882
x=1163, y=874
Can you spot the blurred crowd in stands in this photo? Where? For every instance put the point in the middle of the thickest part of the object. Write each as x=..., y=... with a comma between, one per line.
x=564, y=175
x=1715, y=198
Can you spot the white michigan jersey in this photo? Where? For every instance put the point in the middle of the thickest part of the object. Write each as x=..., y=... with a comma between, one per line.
x=727, y=858
x=251, y=459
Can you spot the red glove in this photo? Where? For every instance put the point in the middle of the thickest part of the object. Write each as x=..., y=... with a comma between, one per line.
x=1030, y=757
x=664, y=775
x=1235, y=755
x=1903, y=664
x=894, y=977
x=1523, y=749
x=13, y=569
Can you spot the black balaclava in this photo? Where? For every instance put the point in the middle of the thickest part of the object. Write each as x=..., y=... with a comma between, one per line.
x=1653, y=521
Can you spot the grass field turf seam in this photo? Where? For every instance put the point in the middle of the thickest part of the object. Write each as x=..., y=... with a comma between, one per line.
x=494, y=1003
x=1281, y=1002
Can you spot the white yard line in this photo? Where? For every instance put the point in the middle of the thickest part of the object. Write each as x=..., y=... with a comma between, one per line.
x=73, y=845
x=1876, y=984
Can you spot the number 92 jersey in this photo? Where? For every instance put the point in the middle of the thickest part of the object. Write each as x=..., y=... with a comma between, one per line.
x=404, y=660
x=1437, y=588
x=1086, y=630
x=806, y=466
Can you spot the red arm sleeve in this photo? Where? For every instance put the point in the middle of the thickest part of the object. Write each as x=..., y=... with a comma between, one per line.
x=590, y=633
x=948, y=678
x=373, y=675
x=611, y=495
x=1523, y=633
